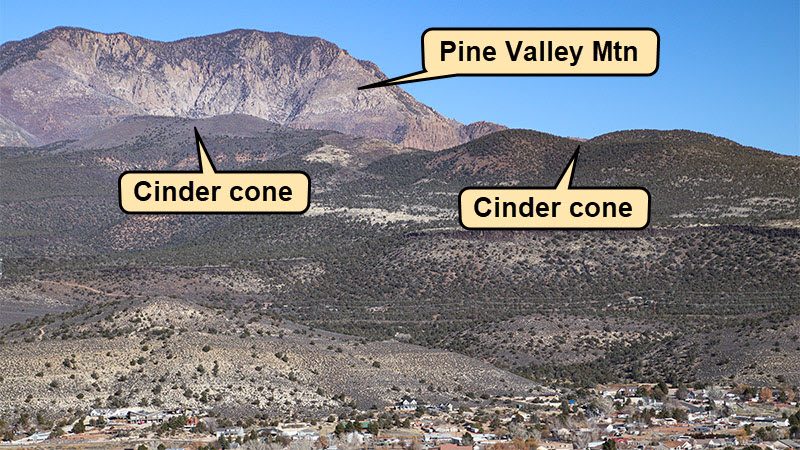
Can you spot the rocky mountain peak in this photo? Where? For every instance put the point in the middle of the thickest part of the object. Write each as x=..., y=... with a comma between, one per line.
x=65, y=83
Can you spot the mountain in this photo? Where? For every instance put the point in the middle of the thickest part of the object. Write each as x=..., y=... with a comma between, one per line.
x=694, y=178
x=60, y=199
x=66, y=83
x=707, y=293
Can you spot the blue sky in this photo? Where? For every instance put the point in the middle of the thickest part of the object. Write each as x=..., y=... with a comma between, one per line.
x=729, y=68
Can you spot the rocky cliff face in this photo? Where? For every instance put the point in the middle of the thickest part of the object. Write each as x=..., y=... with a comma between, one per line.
x=67, y=82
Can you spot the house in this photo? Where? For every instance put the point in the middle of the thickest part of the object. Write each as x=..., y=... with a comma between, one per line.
x=298, y=431
x=479, y=438
x=555, y=445
x=191, y=423
x=674, y=445
x=701, y=443
x=307, y=434
x=232, y=432
x=155, y=417
x=620, y=390
x=691, y=407
x=669, y=421
x=136, y=417
x=723, y=442
x=131, y=415
x=33, y=439
x=407, y=404
x=441, y=407
x=440, y=438
x=100, y=413
x=453, y=447
x=270, y=432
